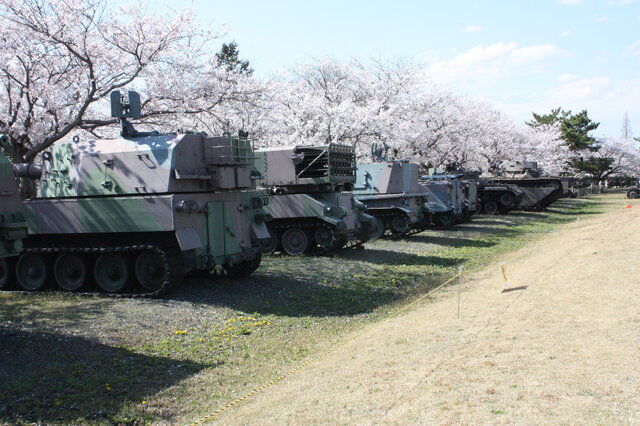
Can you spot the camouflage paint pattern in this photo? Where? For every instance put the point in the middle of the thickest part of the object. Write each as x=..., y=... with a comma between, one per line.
x=13, y=227
x=450, y=190
x=198, y=188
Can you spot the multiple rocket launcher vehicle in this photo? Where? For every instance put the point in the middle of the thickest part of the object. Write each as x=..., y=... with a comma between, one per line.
x=134, y=214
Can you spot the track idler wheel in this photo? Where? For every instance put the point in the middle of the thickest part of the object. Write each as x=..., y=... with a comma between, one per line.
x=295, y=241
x=151, y=270
x=71, y=272
x=112, y=272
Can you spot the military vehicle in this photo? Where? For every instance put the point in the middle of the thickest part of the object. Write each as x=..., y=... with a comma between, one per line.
x=13, y=227
x=450, y=190
x=310, y=205
x=136, y=212
x=538, y=191
x=498, y=198
x=390, y=191
x=633, y=192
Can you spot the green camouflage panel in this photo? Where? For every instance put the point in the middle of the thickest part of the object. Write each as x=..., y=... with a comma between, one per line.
x=13, y=227
x=199, y=188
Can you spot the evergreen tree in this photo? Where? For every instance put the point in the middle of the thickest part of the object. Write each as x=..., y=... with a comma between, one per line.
x=228, y=57
x=574, y=131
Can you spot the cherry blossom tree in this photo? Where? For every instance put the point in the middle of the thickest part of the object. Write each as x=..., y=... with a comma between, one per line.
x=60, y=60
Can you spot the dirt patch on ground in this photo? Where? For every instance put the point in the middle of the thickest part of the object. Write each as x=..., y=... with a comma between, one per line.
x=563, y=350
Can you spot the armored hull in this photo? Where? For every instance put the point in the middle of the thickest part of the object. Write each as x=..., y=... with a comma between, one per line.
x=452, y=192
x=134, y=214
x=498, y=198
x=13, y=227
x=311, y=208
x=537, y=193
x=390, y=191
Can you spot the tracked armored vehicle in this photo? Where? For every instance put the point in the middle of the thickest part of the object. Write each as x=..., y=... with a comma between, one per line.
x=311, y=208
x=498, y=198
x=633, y=192
x=13, y=227
x=450, y=190
x=390, y=191
x=135, y=213
x=538, y=191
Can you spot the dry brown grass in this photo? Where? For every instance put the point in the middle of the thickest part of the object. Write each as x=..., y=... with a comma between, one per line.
x=565, y=350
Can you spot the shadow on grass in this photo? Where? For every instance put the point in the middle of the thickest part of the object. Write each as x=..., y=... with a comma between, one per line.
x=54, y=378
x=449, y=241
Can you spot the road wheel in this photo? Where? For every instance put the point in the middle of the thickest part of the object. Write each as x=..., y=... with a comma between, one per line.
x=399, y=224
x=446, y=219
x=633, y=193
x=323, y=236
x=151, y=270
x=70, y=272
x=377, y=229
x=33, y=272
x=295, y=241
x=507, y=200
x=490, y=207
x=270, y=245
x=111, y=272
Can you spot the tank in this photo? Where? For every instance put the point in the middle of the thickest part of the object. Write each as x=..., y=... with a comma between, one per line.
x=135, y=213
x=390, y=191
x=538, y=191
x=311, y=208
x=13, y=227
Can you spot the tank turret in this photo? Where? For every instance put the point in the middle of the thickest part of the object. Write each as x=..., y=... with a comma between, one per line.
x=310, y=203
x=136, y=212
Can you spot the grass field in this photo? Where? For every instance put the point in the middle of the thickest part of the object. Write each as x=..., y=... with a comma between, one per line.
x=81, y=359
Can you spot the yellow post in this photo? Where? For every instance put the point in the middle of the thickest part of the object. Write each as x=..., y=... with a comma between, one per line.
x=503, y=271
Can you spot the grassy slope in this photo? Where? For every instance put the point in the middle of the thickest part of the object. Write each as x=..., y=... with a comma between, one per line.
x=89, y=359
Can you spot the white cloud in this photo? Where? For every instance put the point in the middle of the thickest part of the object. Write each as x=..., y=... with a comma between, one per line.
x=570, y=2
x=586, y=88
x=566, y=77
x=565, y=33
x=472, y=29
x=603, y=18
x=634, y=49
x=489, y=62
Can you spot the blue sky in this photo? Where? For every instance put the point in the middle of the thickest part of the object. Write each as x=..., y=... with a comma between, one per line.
x=520, y=56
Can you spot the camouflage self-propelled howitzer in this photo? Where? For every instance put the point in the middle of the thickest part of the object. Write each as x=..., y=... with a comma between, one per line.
x=135, y=213
x=538, y=191
x=13, y=227
x=390, y=191
x=310, y=205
